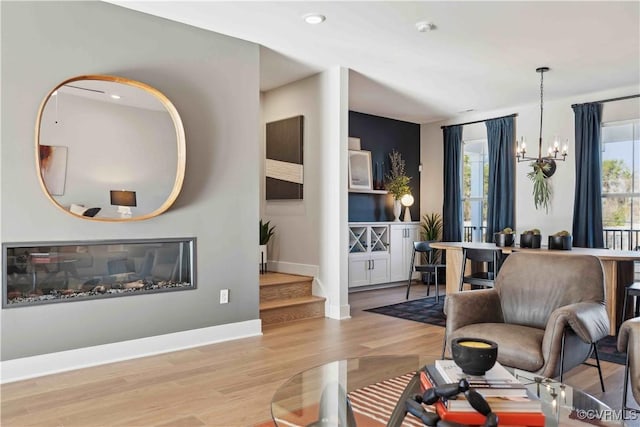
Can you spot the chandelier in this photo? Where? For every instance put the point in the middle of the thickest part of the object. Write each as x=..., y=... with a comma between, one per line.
x=546, y=163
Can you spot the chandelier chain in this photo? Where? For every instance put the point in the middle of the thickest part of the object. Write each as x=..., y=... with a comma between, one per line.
x=541, y=103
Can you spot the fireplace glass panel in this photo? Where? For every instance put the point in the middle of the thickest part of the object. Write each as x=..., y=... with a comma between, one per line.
x=38, y=273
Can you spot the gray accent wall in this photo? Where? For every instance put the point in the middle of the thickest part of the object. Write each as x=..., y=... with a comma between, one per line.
x=213, y=80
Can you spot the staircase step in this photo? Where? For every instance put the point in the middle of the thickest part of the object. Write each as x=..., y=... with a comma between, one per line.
x=287, y=310
x=275, y=279
x=289, y=290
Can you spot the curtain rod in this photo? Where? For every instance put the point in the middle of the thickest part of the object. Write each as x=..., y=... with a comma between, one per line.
x=480, y=121
x=609, y=100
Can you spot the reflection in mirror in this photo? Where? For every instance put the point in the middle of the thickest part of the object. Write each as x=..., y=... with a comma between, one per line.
x=110, y=149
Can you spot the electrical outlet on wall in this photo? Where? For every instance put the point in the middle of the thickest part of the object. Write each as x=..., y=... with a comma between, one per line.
x=224, y=296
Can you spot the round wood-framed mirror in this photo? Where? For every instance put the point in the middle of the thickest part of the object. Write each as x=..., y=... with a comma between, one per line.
x=109, y=149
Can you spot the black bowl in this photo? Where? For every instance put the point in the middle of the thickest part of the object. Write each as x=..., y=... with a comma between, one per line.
x=474, y=360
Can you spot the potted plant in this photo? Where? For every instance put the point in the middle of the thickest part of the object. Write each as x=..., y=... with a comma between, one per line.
x=542, y=170
x=504, y=237
x=431, y=231
x=397, y=183
x=530, y=239
x=265, y=235
x=561, y=240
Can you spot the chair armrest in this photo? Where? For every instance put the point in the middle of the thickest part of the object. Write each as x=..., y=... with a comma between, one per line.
x=625, y=333
x=588, y=320
x=629, y=341
x=470, y=307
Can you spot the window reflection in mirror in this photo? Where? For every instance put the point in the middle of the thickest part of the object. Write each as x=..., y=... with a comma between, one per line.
x=110, y=148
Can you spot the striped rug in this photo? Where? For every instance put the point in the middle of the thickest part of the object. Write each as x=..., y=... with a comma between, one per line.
x=372, y=405
x=377, y=401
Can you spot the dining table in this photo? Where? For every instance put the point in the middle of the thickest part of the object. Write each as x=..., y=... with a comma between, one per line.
x=618, y=269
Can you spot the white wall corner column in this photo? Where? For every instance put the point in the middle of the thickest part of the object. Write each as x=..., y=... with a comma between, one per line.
x=333, y=193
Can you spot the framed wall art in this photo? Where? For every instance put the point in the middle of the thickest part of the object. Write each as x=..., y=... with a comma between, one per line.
x=360, y=170
x=284, y=162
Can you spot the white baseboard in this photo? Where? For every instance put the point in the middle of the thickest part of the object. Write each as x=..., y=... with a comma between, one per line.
x=293, y=268
x=338, y=312
x=53, y=363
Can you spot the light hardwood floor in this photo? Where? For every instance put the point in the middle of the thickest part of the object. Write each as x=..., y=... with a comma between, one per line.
x=231, y=384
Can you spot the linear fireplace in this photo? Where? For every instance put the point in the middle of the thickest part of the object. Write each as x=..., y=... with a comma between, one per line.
x=52, y=272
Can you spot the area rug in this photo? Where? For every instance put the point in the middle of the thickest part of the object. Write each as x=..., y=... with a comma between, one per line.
x=372, y=406
x=427, y=310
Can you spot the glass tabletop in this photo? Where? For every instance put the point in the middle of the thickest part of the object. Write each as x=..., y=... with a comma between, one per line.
x=375, y=385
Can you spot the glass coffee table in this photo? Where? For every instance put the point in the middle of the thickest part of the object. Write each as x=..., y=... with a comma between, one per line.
x=375, y=385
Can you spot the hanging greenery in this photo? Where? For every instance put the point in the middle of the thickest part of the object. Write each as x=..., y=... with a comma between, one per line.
x=541, y=184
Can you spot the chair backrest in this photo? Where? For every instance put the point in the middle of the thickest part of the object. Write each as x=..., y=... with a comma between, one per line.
x=481, y=255
x=532, y=286
x=425, y=248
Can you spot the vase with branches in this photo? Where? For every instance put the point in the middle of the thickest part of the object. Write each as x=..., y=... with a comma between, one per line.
x=397, y=182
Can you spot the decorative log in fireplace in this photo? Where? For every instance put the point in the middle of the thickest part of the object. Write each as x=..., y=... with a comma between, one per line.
x=50, y=272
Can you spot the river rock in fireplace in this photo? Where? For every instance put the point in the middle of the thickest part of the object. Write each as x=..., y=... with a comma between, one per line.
x=93, y=288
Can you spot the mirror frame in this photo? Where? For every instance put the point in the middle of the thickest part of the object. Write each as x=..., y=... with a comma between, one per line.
x=180, y=140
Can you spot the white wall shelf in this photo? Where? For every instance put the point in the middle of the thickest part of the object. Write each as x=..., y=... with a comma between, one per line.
x=352, y=190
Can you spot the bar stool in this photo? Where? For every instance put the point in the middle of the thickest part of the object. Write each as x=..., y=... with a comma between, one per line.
x=632, y=290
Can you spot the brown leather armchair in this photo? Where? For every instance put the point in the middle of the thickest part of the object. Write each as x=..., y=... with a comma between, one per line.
x=629, y=341
x=545, y=313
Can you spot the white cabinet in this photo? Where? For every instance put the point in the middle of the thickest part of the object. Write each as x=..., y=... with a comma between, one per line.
x=368, y=254
x=401, y=250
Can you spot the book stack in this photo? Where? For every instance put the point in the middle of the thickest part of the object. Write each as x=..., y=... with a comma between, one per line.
x=506, y=396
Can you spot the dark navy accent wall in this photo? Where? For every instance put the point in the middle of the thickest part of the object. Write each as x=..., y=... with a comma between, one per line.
x=381, y=135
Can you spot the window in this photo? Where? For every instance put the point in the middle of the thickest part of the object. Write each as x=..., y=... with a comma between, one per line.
x=475, y=173
x=621, y=184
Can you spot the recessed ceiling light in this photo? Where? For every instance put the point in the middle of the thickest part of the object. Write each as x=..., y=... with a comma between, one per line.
x=314, y=18
x=114, y=96
x=424, y=26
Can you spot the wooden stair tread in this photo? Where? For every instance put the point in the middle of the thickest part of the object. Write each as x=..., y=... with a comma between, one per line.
x=268, y=305
x=274, y=279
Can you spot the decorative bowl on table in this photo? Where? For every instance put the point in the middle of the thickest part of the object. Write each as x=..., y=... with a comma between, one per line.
x=475, y=356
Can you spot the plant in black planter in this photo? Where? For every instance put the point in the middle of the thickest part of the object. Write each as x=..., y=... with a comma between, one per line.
x=561, y=240
x=504, y=237
x=530, y=239
x=431, y=231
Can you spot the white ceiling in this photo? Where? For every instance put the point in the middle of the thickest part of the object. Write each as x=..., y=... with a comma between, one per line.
x=482, y=56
